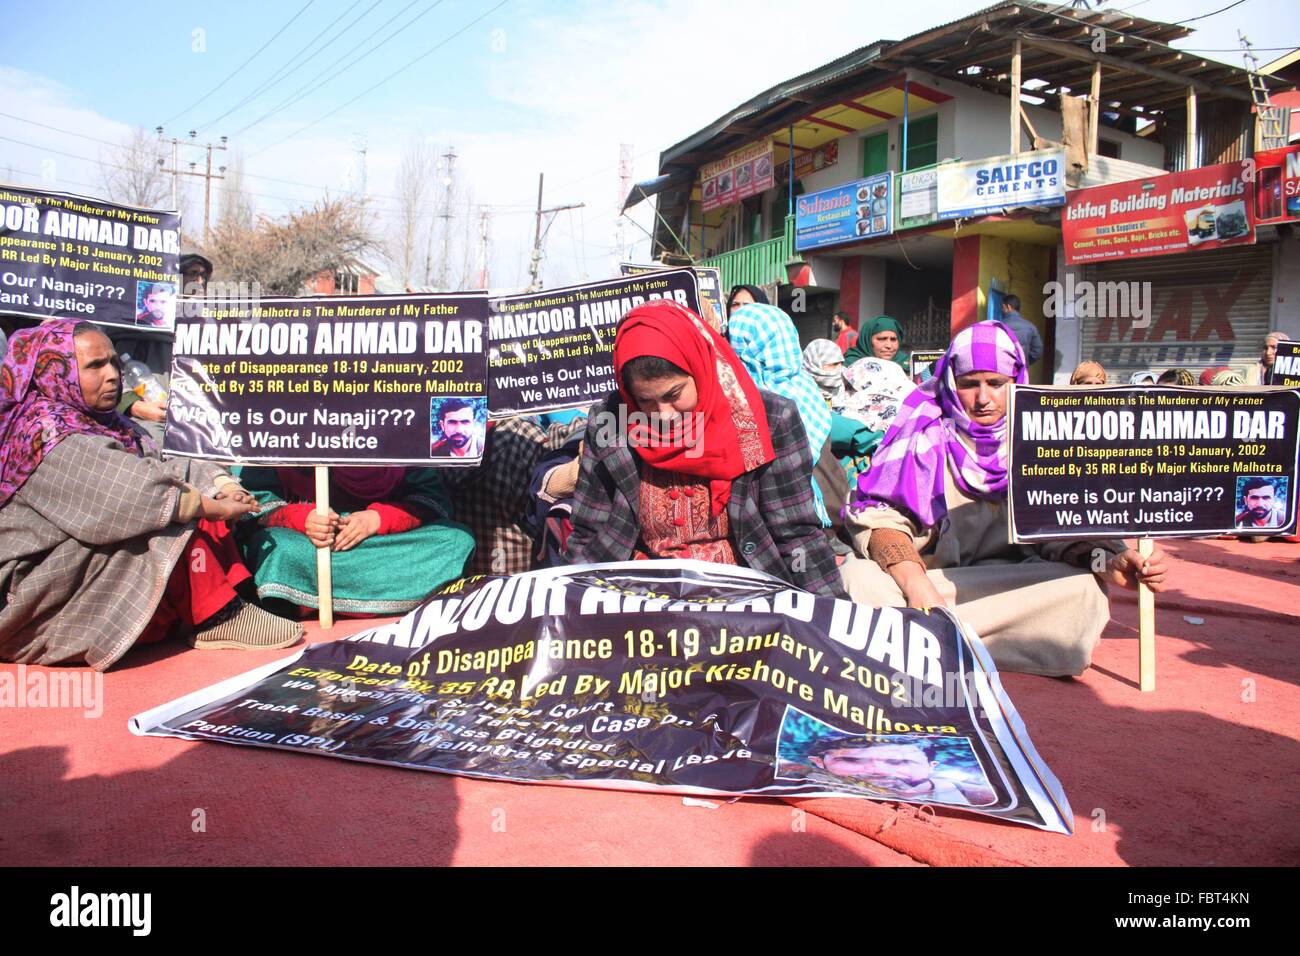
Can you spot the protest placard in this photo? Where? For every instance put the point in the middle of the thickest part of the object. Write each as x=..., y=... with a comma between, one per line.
x=555, y=349
x=922, y=363
x=74, y=257
x=359, y=380
x=1286, y=365
x=1149, y=462
x=679, y=676
x=710, y=285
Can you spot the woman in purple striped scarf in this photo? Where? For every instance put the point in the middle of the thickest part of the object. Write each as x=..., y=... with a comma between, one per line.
x=929, y=522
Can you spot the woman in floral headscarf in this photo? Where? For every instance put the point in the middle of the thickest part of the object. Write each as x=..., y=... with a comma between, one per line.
x=102, y=543
x=930, y=522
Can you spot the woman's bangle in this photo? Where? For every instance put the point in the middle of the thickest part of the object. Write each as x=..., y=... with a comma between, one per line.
x=888, y=547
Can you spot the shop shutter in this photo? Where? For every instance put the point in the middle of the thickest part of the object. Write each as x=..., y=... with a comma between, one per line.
x=1207, y=309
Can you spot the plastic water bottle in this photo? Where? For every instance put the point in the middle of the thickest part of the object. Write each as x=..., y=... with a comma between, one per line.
x=137, y=378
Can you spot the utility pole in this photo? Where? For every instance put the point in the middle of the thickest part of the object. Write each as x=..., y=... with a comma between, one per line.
x=535, y=267
x=207, y=175
x=359, y=147
x=624, y=185
x=484, y=245
x=449, y=158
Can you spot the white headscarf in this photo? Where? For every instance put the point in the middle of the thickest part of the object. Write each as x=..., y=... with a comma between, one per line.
x=816, y=356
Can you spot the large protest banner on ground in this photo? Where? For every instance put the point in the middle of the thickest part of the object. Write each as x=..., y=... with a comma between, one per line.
x=670, y=675
x=1128, y=461
x=362, y=380
x=553, y=350
x=78, y=258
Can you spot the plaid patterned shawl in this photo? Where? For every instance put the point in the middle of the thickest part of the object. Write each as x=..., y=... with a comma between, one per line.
x=907, y=472
x=767, y=344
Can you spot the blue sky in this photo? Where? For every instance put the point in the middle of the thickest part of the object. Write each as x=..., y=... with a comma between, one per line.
x=533, y=86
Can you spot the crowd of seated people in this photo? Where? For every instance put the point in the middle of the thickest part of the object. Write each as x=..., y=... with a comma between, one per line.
x=827, y=467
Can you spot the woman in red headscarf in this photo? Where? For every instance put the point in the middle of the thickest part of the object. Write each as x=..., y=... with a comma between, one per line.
x=688, y=458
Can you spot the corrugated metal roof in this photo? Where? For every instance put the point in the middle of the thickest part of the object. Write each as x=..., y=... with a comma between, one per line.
x=954, y=51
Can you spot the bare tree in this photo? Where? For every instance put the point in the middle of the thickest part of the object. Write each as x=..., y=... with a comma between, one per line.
x=282, y=255
x=415, y=192
x=132, y=173
x=237, y=206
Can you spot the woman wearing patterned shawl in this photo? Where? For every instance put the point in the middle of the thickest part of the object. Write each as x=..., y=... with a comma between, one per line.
x=766, y=342
x=689, y=458
x=873, y=396
x=930, y=522
x=102, y=543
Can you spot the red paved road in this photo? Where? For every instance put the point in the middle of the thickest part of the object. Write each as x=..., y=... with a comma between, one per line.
x=1202, y=771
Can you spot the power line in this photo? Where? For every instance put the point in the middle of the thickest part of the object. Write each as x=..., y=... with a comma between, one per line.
x=504, y=207
x=103, y=162
x=502, y=210
x=429, y=52
x=1236, y=49
x=93, y=139
x=279, y=76
x=312, y=86
x=1206, y=16
x=603, y=169
x=242, y=65
x=36, y=177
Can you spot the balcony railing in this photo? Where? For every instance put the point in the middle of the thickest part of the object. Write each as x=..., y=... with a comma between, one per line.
x=759, y=264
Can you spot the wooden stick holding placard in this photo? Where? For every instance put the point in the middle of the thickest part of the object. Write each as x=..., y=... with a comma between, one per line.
x=1146, y=624
x=324, y=577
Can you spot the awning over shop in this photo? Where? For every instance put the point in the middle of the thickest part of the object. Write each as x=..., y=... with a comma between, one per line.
x=653, y=187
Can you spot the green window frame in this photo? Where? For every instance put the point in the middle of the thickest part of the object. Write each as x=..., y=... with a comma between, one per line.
x=923, y=141
x=875, y=154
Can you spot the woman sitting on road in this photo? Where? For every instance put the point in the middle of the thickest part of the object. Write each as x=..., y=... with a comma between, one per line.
x=380, y=519
x=713, y=468
x=102, y=543
x=930, y=522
